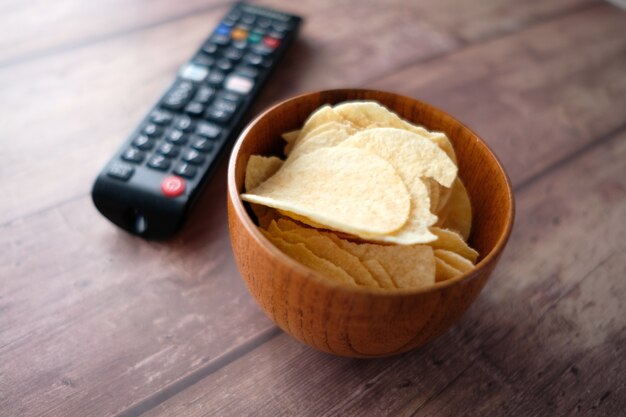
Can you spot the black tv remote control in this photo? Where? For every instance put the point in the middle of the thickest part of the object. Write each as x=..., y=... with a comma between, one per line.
x=149, y=185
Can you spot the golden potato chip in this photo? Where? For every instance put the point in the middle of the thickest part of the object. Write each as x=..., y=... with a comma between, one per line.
x=320, y=116
x=379, y=273
x=264, y=215
x=345, y=189
x=325, y=248
x=300, y=253
x=443, y=271
x=301, y=219
x=452, y=241
x=411, y=154
x=455, y=260
x=457, y=213
x=413, y=157
x=290, y=138
x=408, y=266
x=259, y=169
x=328, y=134
x=369, y=114
x=433, y=193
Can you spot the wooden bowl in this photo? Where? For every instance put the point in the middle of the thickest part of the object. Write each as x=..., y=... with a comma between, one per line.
x=353, y=321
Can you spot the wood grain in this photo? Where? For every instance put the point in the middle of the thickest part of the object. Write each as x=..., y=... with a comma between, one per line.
x=110, y=84
x=554, y=83
x=543, y=325
x=95, y=322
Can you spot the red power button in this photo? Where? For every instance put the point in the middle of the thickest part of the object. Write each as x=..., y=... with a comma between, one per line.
x=173, y=186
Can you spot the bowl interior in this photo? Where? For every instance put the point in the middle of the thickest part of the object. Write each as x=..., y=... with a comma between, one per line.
x=486, y=182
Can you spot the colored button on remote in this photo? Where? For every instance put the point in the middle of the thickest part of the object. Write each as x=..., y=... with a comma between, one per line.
x=173, y=186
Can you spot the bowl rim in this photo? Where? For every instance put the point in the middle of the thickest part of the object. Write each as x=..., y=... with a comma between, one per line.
x=268, y=246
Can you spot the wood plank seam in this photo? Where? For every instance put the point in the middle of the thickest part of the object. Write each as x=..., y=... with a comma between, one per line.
x=577, y=153
x=60, y=49
x=464, y=45
x=501, y=375
x=170, y=390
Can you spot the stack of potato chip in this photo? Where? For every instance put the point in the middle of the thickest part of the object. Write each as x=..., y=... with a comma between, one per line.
x=365, y=198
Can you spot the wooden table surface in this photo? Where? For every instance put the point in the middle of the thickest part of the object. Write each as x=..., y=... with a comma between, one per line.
x=95, y=322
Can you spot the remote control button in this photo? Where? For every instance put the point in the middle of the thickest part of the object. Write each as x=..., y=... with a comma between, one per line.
x=208, y=130
x=184, y=123
x=168, y=149
x=271, y=42
x=221, y=40
x=194, y=108
x=133, y=155
x=161, y=117
x=281, y=27
x=233, y=54
x=242, y=26
x=216, y=77
x=248, y=19
x=239, y=45
x=177, y=137
x=226, y=105
x=248, y=72
x=204, y=60
x=172, y=186
x=120, y=171
x=159, y=162
x=202, y=144
x=262, y=49
x=185, y=170
x=193, y=157
x=277, y=35
x=151, y=130
x=194, y=72
x=264, y=23
x=239, y=33
x=229, y=22
x=218, y=114
x=253, y=59
x=239, y=84
x=209, y=48
x=229, y=96
x=223, y=29
x=255, y=37
x=224, y=64
x=180, y=93
x=143, y=142
x=204, y=94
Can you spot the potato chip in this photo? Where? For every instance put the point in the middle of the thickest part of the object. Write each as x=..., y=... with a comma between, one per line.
x=408, y=266
x=410, y=154
x=259, y=169
x=320, y=116
x=379, y=273
x=345, y=189
x=443, y=271
x=290, y=138
x=325, y=248
x=358, y=174
x=370, y=114
x=452, y=241
x=264, y=215
x=300, y=253
x=455, y=260
x=457, y=213
x=413, y=157
x=320, y=140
